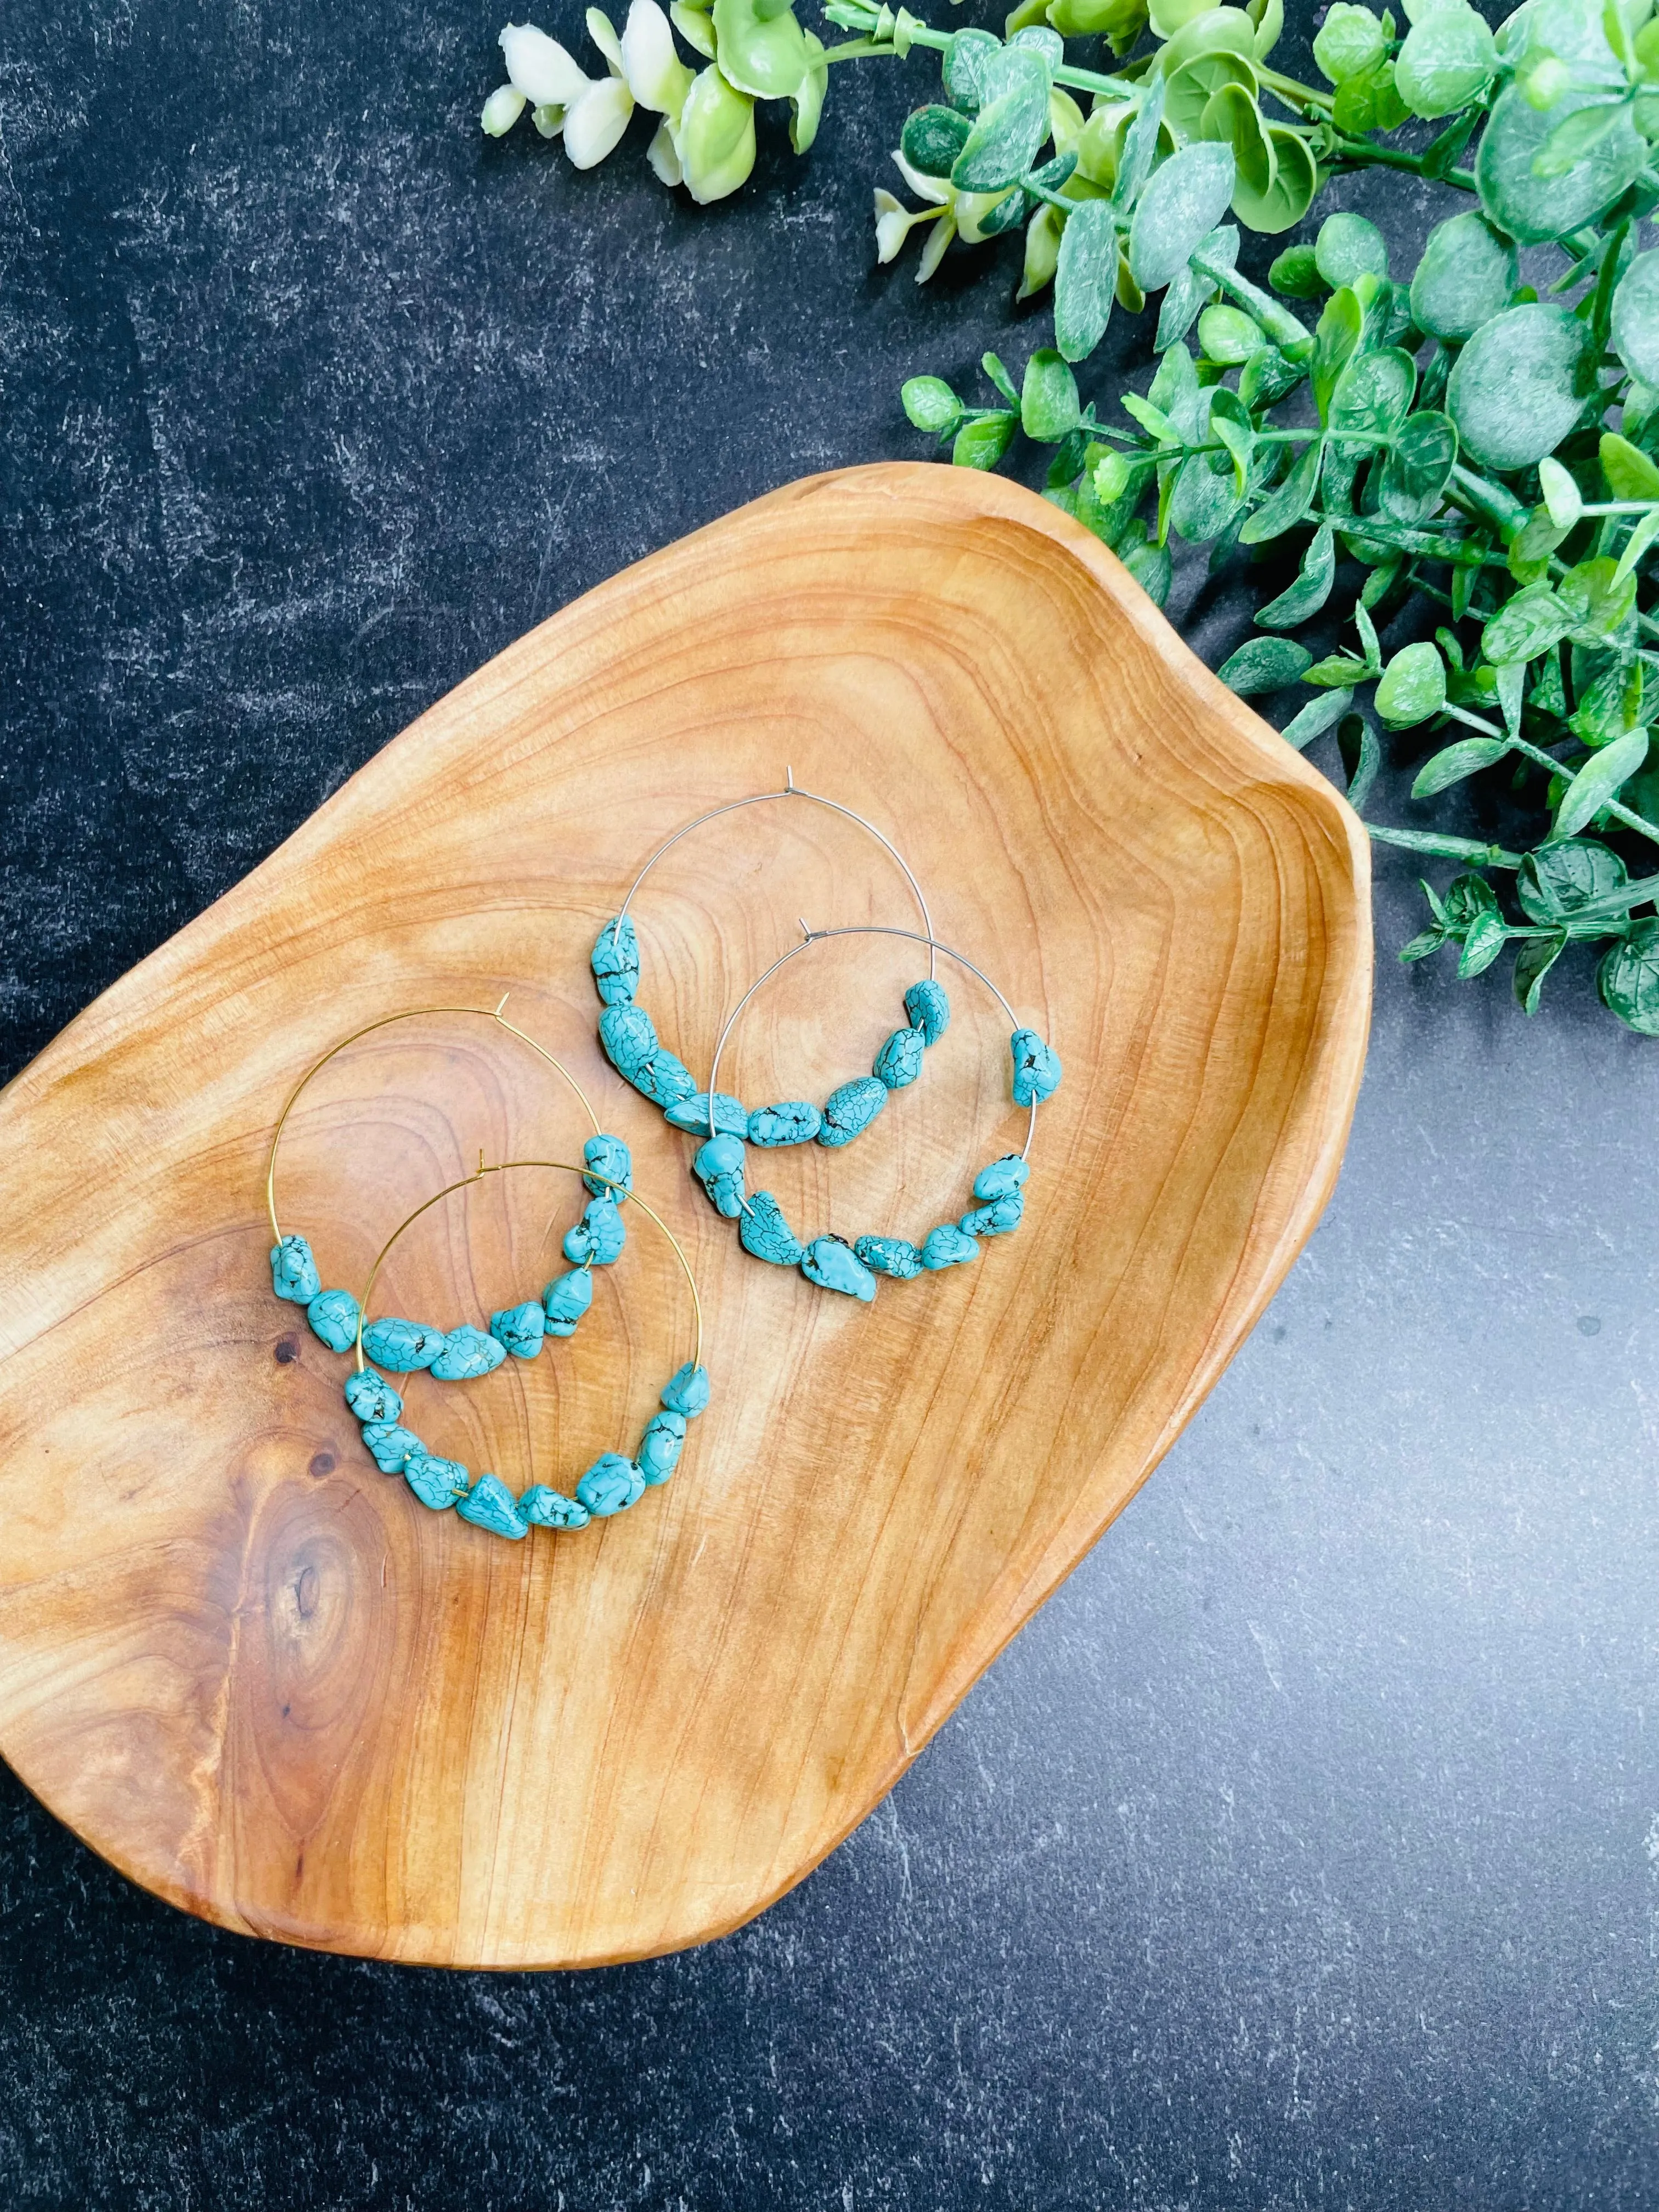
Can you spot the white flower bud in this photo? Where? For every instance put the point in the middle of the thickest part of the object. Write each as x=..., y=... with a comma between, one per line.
x=540, y=67
x=656, y=75
x=502, y=110
x=933, y=252
x=602, y=32
x=549, y=121
x=594, y=123
x=664, y=155
x=893, y=220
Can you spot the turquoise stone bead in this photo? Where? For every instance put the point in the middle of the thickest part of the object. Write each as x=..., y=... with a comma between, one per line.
x=794, y=1123
x=899, y=1061
x=389, y=1446
x=663, y=1080
x=604, y=1231
x=467, y=1353
x=995, y=1219
x=371, y=1397
x=763, y=1231
x=436, y=1482
x=850, y=1110
x=519, y=1329
x=831, y=1262
x=687, y=1391
x=947, y=1246
x=294, y=1271
x=566, y=1299
x=490, y=1504
x=1036, y=1067
x=718, y=1166
x=659, y=1447
x=333, y=1317
x=691, y=1114
x=404, y=1347
x=550, y=1509
x=889, y=1255
x=629, y=1037
x=612, y=1166
x=927, y=1008
x=1002, y=1178
x=610, y=1485
x=615, y=960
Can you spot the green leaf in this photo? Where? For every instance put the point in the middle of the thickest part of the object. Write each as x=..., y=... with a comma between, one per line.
x=963, y=68
x=992, y=364
x=931, y=404
x=1464, y=759
x=1412, y=686
x=1373, y=394
x=1418, y=466
x=1560, y=882
x=1283, y=509
x=765, y=55
x=1139, y=148
x=1598, y=605
x=1315, y=718
x=1228, y=335
x=1086, y=279
x=1526, y=625
x=1296, y=274
x=1351, y=41
x=1629, y=472
x=1312, y=588
x=1561, y=494
x=1486, y=939
x=1530, y=208
x=1203, y=502
x=1336, y=338
x=1348, y=246
x=932, y=139
x=1230, y=421
x=1635, y=325
x=1193, y=83
x=1361, y=755
x=1289, y=195
x=1449, y=58
x=1264, y=663
x=1571, y=141
x=982, y=444
x=1628, y=978
x=1640, y=539
x=1521, y=384
x=1600, y=778
x=1182, y=200
x=1425, y=942
x=1151, y=567
x=1339, y=670
x=1048, y=406
x=1010, y=127
x=1268, y=377
x=1531, y=964
x=1432, y=842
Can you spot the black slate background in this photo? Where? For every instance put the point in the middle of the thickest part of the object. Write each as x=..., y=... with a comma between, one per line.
x=1304, y=1852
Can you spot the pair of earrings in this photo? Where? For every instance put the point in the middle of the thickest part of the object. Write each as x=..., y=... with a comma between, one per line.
x=631, y=1043
x=399, y=1347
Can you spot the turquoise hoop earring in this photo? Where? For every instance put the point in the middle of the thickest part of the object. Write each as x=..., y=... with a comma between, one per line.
x=461, y=1355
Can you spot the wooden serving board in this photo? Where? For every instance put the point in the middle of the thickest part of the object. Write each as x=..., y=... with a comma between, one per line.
x=264, y=1681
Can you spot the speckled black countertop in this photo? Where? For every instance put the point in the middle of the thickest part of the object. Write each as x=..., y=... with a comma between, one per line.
x=1304, y=1851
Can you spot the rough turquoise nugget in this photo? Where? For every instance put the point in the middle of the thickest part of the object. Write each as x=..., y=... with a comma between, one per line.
x=660, y=1448
x=1002, y=1178
x=927, y=1008
x=615, y=960
x=629, y=1037
x=333, y=1317
x=947, y=1246
x=566, y=1299
x=389, y=1446
x=404, y=1347
x=831, y=1262
x=597, y=1238
x=519, y=1328
x=371, y=1397
x=551, y=1508
x=763, y=1231
x=467, y=1353
x=610, y=1485
x=850, y=1110
x=795, y=1121
x=663, y=1080
x=436, y=1482
x=294, y=1271
x=691, y=1114
x=612, y=1166
x=718, y=1166
x=1036, y=1067
x=889, y=1255
x=687, y=1391
x=995, y=1219
x=899, y=1061
x=490, y=1504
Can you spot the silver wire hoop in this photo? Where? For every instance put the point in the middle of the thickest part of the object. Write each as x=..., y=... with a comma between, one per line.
x=792, y=790
x=811, y=937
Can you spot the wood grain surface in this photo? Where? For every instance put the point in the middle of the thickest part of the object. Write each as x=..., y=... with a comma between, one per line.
x=254, y=1672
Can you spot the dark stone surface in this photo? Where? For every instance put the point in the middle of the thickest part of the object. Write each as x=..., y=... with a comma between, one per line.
x=1303, y=1851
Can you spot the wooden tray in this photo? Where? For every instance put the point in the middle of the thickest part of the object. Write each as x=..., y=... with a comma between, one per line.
x=261, y=1679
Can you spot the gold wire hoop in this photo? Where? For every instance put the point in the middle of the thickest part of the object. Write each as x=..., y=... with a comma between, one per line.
x=504, y=1167
x=410, y=1014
